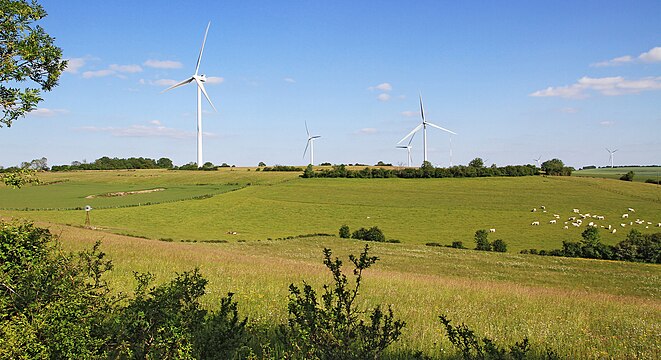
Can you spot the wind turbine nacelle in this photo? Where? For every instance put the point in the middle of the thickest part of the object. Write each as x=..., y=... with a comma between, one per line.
x=202, y=78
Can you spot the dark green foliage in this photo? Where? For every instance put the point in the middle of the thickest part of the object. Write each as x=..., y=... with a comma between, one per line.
x=282, y=168
x=17, y=178
x=476, y=163
x=371, y=234
x=499, y=246
x=481, y=241
x=433, y=244
x=425, y=171
x=164, y=163
x=472, y=347
x=628, y=176
x=345, y=233
x=309, y=172
x=652, y=181
x=106, y=163
x=457, y=245
x=261, y=164
x=335, y=328
x=556, y=167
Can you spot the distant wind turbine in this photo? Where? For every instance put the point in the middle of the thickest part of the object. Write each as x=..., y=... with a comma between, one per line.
x=611, y=155
x=199, y=80
x=408, y=150
x=310, y=143
x=423, y=126
x=537, y=160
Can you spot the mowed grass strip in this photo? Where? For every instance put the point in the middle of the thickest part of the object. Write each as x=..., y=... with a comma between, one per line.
x=583, y=308
x=410, y=210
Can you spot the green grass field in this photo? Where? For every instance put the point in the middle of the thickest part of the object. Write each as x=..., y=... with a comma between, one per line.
x=582, y=308
x=641, y=173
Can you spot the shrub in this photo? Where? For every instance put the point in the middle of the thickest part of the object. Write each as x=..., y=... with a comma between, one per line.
x=335, y=328
x=628, y=176
x=481, y=241
x=371, y=234
x=457, y=245
x=345, y=233
x=652, y=181
x=499, y=246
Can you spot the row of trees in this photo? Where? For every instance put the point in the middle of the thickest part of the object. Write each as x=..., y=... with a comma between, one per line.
x=427, y=170
x=107, y=163
x=636, y=247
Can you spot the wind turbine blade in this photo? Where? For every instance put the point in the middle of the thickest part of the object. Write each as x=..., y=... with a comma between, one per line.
x=199, y=58
x=444, y=129
x=315, y=137
x=182, y=83
x=306, y=129
x=607, y=149
x=402, y=147
x=615, y=150
x=411, y=133
x=410, y=140
x=422, y=109
x=306, y=148
x=201, y=85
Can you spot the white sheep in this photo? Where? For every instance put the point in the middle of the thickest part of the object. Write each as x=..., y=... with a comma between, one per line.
x=576, y=224
x=623, y=225
x=556, y=216
x=614, y=231
x=658, y=225
x=535, y=223
x=576, y=211
x=565, y=227
x=632, y=210
x=533, y=210
x=492, y=230
x=552, y=221
x=624, y=216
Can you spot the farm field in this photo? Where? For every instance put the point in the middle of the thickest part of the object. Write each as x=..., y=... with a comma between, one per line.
x=279, y=205
x=583, y=308
x=642, y=173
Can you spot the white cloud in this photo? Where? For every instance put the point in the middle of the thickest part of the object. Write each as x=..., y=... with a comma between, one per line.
x=383, y=97
x=409, y=113
x=45, y=112
x=125, y=68
x=156, y=122
x=569, y=110
x=144, y=131
x=289, y=80
x=654, y=55
x=215, y=80
x=367, y=131
x=162, y=64
x=606, y=123
x=614, y=62
x=610, y=86
x=382, y=87
x=74, y=64
x=97, y=73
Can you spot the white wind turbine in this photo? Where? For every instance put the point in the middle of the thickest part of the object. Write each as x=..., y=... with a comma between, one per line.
x=199, y=80
x=408, y=150
x=423, y=126
x=611, y=155
x=537, y=160
x=310, y=144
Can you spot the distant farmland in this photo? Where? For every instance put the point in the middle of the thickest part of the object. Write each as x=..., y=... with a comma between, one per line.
x=642, y=173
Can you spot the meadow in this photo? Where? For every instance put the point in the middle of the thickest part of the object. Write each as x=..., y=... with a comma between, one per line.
x=642, y=173
x=582, y=308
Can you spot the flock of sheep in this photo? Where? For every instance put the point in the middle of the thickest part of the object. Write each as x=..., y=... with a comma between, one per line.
x=579, y=219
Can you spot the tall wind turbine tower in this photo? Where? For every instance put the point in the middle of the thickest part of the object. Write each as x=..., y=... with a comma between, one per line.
x=611, y=155
x=423, y=126
x=310, y=144
x=199, y=80
x=537, y=160
x=408, y=150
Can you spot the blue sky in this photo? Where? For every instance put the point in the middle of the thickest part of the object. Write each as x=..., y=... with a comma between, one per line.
x=515, y=79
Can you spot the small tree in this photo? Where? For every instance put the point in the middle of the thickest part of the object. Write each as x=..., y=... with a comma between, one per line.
x=164, y=163
x=481, y=241
x=261, y=164
x=499, y=246
x=628, y=176
x=553, y=167
x=345, y=233
x=476, y=163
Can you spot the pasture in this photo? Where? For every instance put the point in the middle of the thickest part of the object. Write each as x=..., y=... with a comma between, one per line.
x=642, y=173
x=583, y=308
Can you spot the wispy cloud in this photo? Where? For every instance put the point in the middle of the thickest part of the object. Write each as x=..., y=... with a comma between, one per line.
x=125, y=68
x=289, y=80
x=651, y=56
x=113, y=69
x=155, y=129
x=383, y=97
x=159, y=82
x=45, y=112
x=409, y=113
x=97, y=73
x=606, y=123
x=569, y=110
x=367, y=131
x=610, y=86
x=215, y=80
x=162, y=64
x=74, y=64
x=381, y=87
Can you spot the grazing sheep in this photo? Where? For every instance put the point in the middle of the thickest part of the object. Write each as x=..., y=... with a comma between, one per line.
x=566, y=222
x=566, y=227
x=573, y=218
x=576, y=211
x=632, y=210
x=609, y=227
x=576, y=224
x=623, y=225
x=533, y=210
x=535, y=223
x=552, y=221
x=492, y=230
x=658, y=225
x=599, y=217
x=543, y=207
x=556, y=216
x=614, y=231
x=624, y=216
x=591, y=223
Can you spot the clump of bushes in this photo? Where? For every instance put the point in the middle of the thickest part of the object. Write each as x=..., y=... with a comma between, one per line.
x=482, y=242
x=345, y=233
x=628, y=176
x=371, y=234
